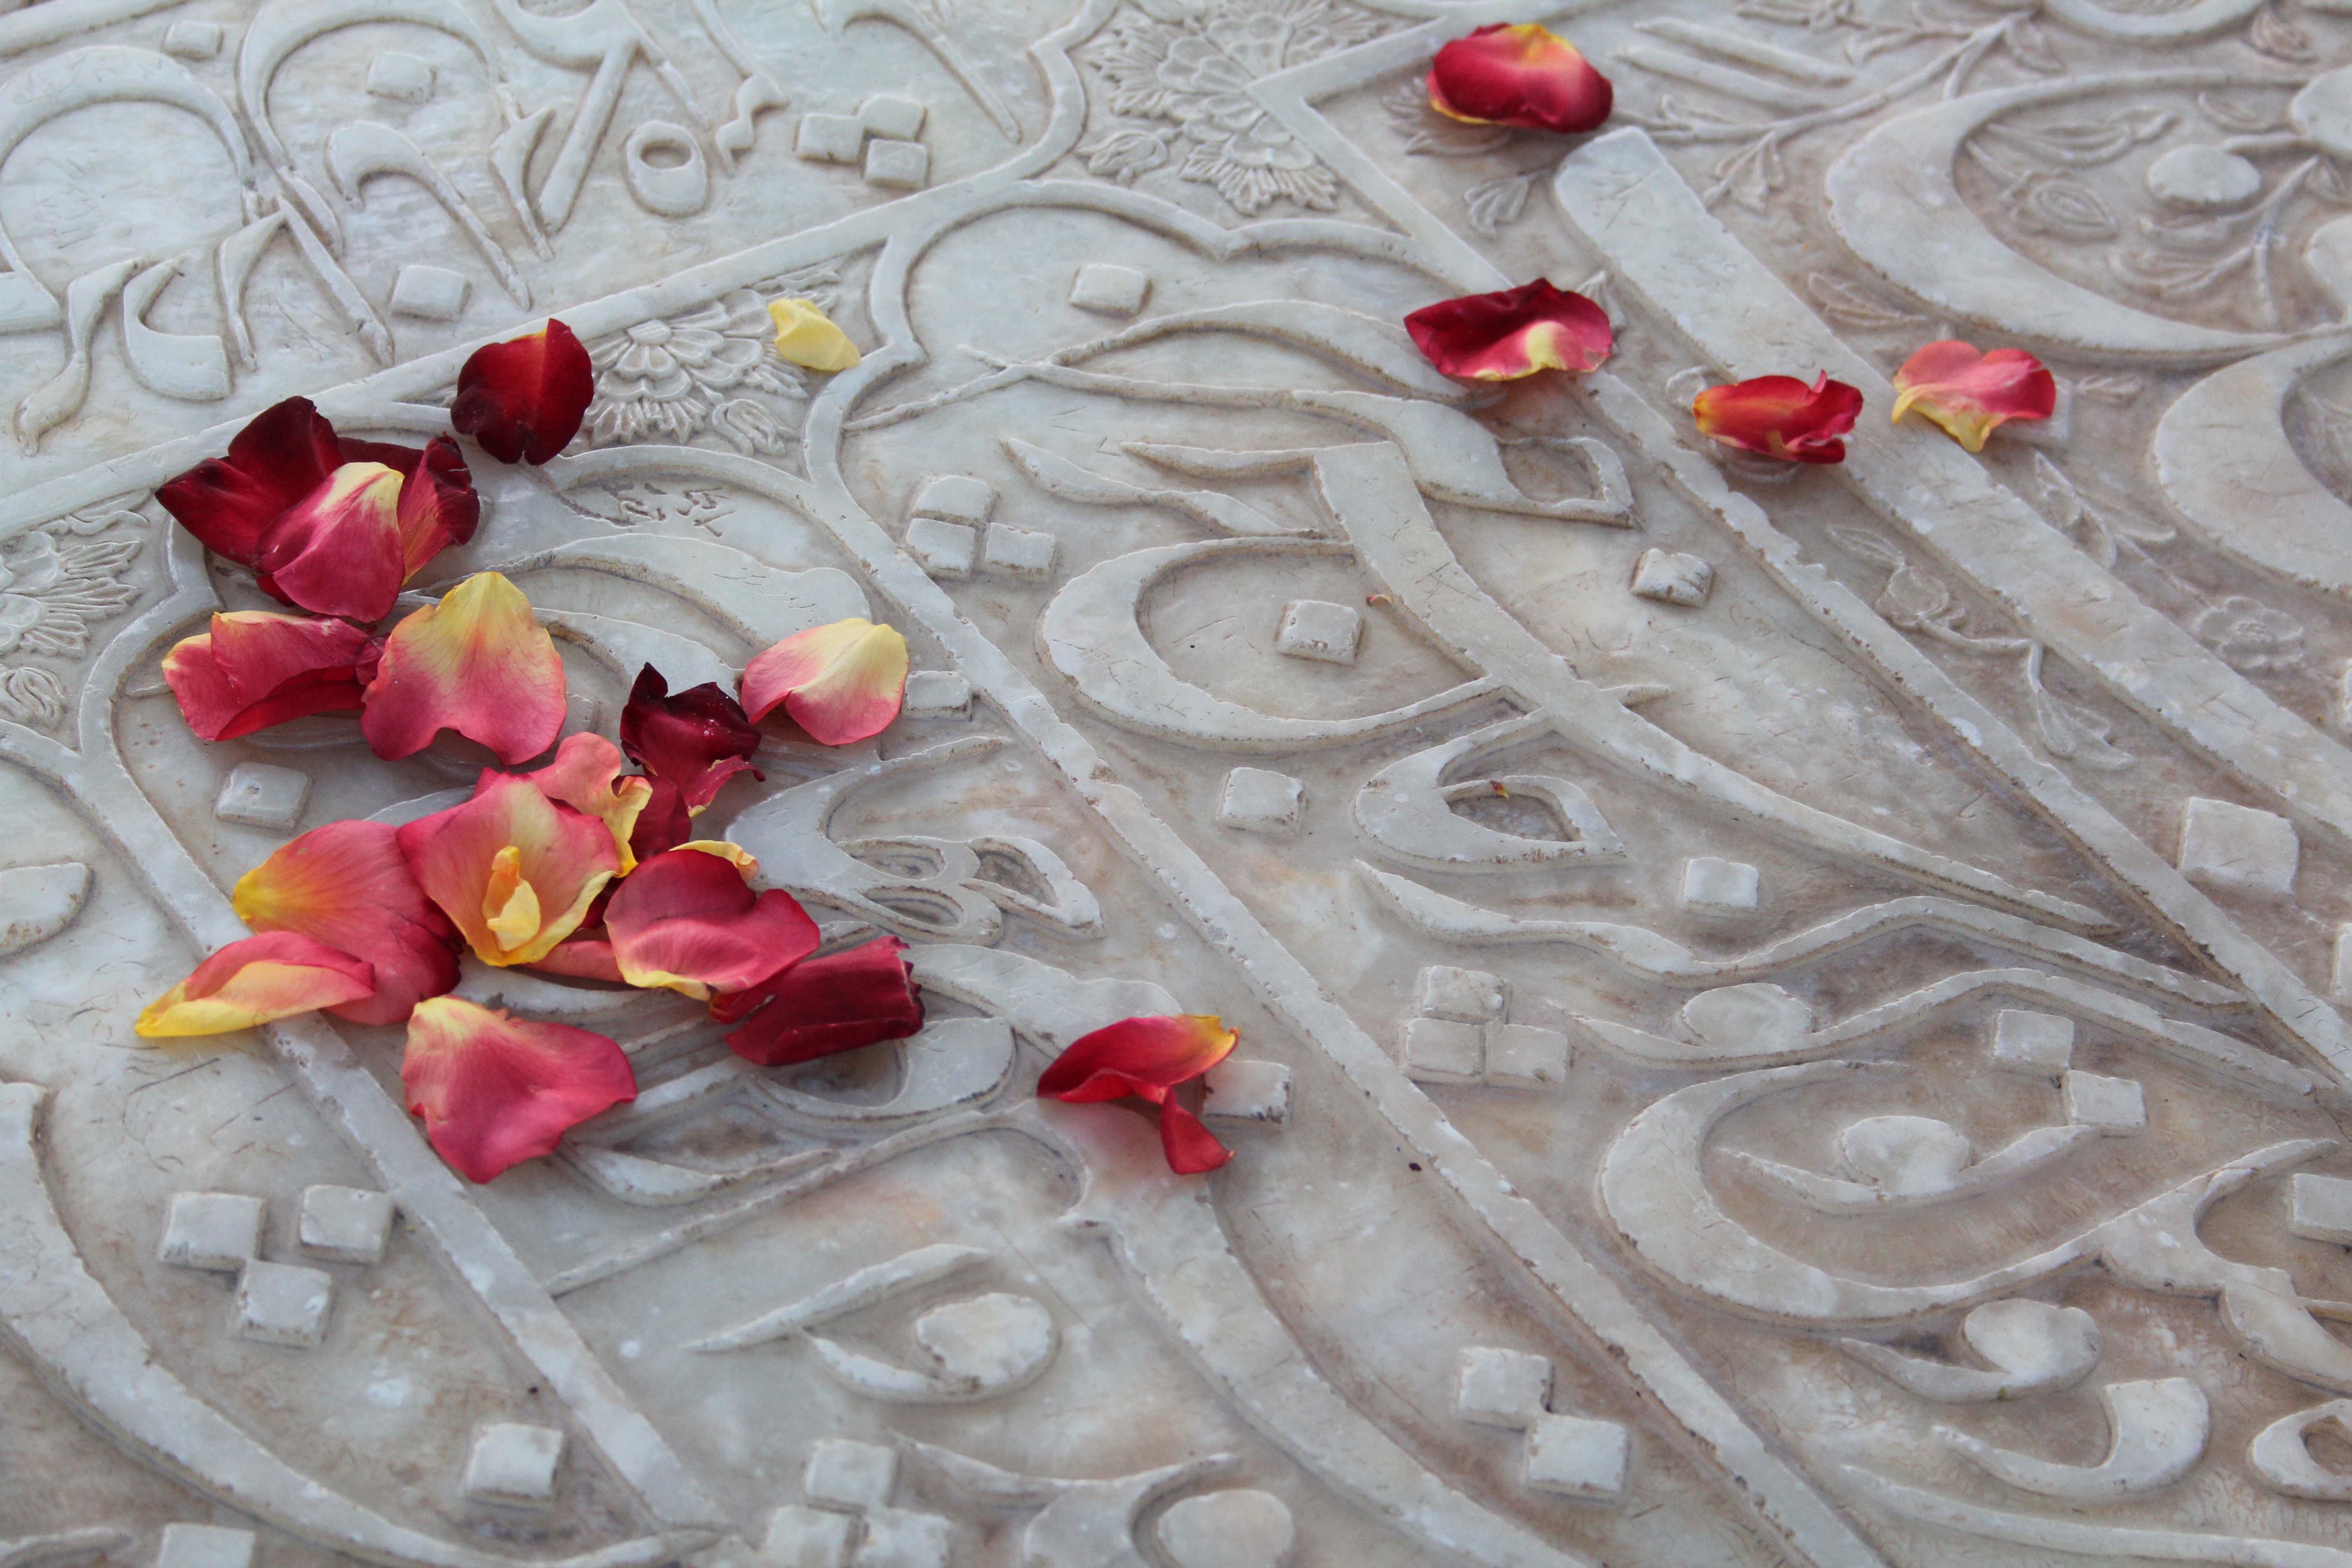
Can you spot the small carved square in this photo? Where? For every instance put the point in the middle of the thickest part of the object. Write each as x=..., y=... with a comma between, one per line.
x=1467, y=995
x=1442, y=1051
x=2115, y=1105
x=956, y=498
x=888, y=114
x=401, y=77
x=850, y=1474
x=896, y=1538
x=194, y=40
x=283, y=1304
x=1110, y=289
x=1239, y=1091
x=1317, y=629
x=514, y=1464
x=2322, y=1208
x=348, y=1225
x=1258, y=800
x=219, y=1231
x=830, y=138
x=1524, y=1053
x=260, y=796
x=1495, y=1388
x=204, y=1546
x=801, y=1536
x=2238, y=848
x=1719, y=887
x=2032, y=1042
x=430, y=293
x=1019, y=552
x=1672, y=578
x=937, y=694
x=897, y=165
x=1570, y=1455
x=942, y=548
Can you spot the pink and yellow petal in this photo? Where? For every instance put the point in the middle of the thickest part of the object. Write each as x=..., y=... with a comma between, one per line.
x=1512, y=333
x=841, y=683
x=347, y=885
x=274, y=975
x=1971, y=394
x=495, y=1090
x=1520, y=74
x=688, y=921
x=480, y=663
x=337, y=551
x=513, y=870
x=586, y=777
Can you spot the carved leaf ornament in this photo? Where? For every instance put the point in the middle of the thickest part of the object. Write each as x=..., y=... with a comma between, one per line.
x=576, y=869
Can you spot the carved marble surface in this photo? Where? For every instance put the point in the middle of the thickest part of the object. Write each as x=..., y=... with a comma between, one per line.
x=1788, y=1016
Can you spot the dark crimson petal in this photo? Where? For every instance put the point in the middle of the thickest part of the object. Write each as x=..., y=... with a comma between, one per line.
x=825, y=1006
x=438, y=507
x=663, y=823
x=524, y=399
x=698, y=739
x=284, y=453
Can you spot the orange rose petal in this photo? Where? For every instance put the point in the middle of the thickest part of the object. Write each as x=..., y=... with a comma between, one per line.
x=1780, y=417
x=513, y=870
x=586, y=776
x=1969, y=393
x=284, y=453
x=699, y=738
x=478, y=663
x=495, y=1090
x=1512, y=333
x=841, y=683
x=524, y=399
x=1519, y=74
x=338, y=551
x=348, y=885
x=274, y=975
x=687, y=919
x=254, y=668
x=825, y=1006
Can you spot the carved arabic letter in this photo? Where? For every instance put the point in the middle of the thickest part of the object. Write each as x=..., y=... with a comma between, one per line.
x=38, y=902
x=2030, y=1347
x=1406, y=810
x=2155, y=1434
x=193, y=366
x=2281, y=1454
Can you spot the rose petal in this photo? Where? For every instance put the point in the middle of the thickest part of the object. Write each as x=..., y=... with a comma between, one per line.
x=1512, y=333
x=841, y=683
x=688, y=921
x=524, y=399
x=274, y=975
x=1146, y=1056
x=338, y=551
x=1190, y=1149
x=825, y=1005
x=1969, y=393
x=699, y=738
x=807, y=336
x=582, y=958
x=1780, y=417
x=584, y=776
x=253, y=669
x=478, y=663
x=438, y=507
x=284, y=453
x=663, y=824
x=348, y=885
x=1519, y=74
x=495, y=1090
x=512, y=869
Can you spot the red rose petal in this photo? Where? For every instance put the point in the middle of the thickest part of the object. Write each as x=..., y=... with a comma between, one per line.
x=1969, y=393
x=1512, y=333
x=1191, y=1149
x=1780, y=417
x=1519, y=74
x=480, y=663
x=338, y=552
x=698, y=739
x=348, y=885
x=284, y=453
x=253, y=668
x=663, y=823
x=524, y=399
x=495, y=1090
x=1137, y=1054
x=274, y=975
x=825, y=1005
x=687, y=920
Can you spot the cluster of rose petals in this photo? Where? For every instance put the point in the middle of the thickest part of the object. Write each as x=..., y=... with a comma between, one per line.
x=327, y=524
x=1780, y=417
x=1520, y=74
x=841, y=683
x=1969, y=393
x=524, y=399
x=1147, y=1059
x=1512, y=333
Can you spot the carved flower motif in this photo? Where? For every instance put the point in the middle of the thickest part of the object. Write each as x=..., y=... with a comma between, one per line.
x=1197, y=72
x=2063, y=207
x=51, y=593
x=2249, y=635
x=673, y=380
